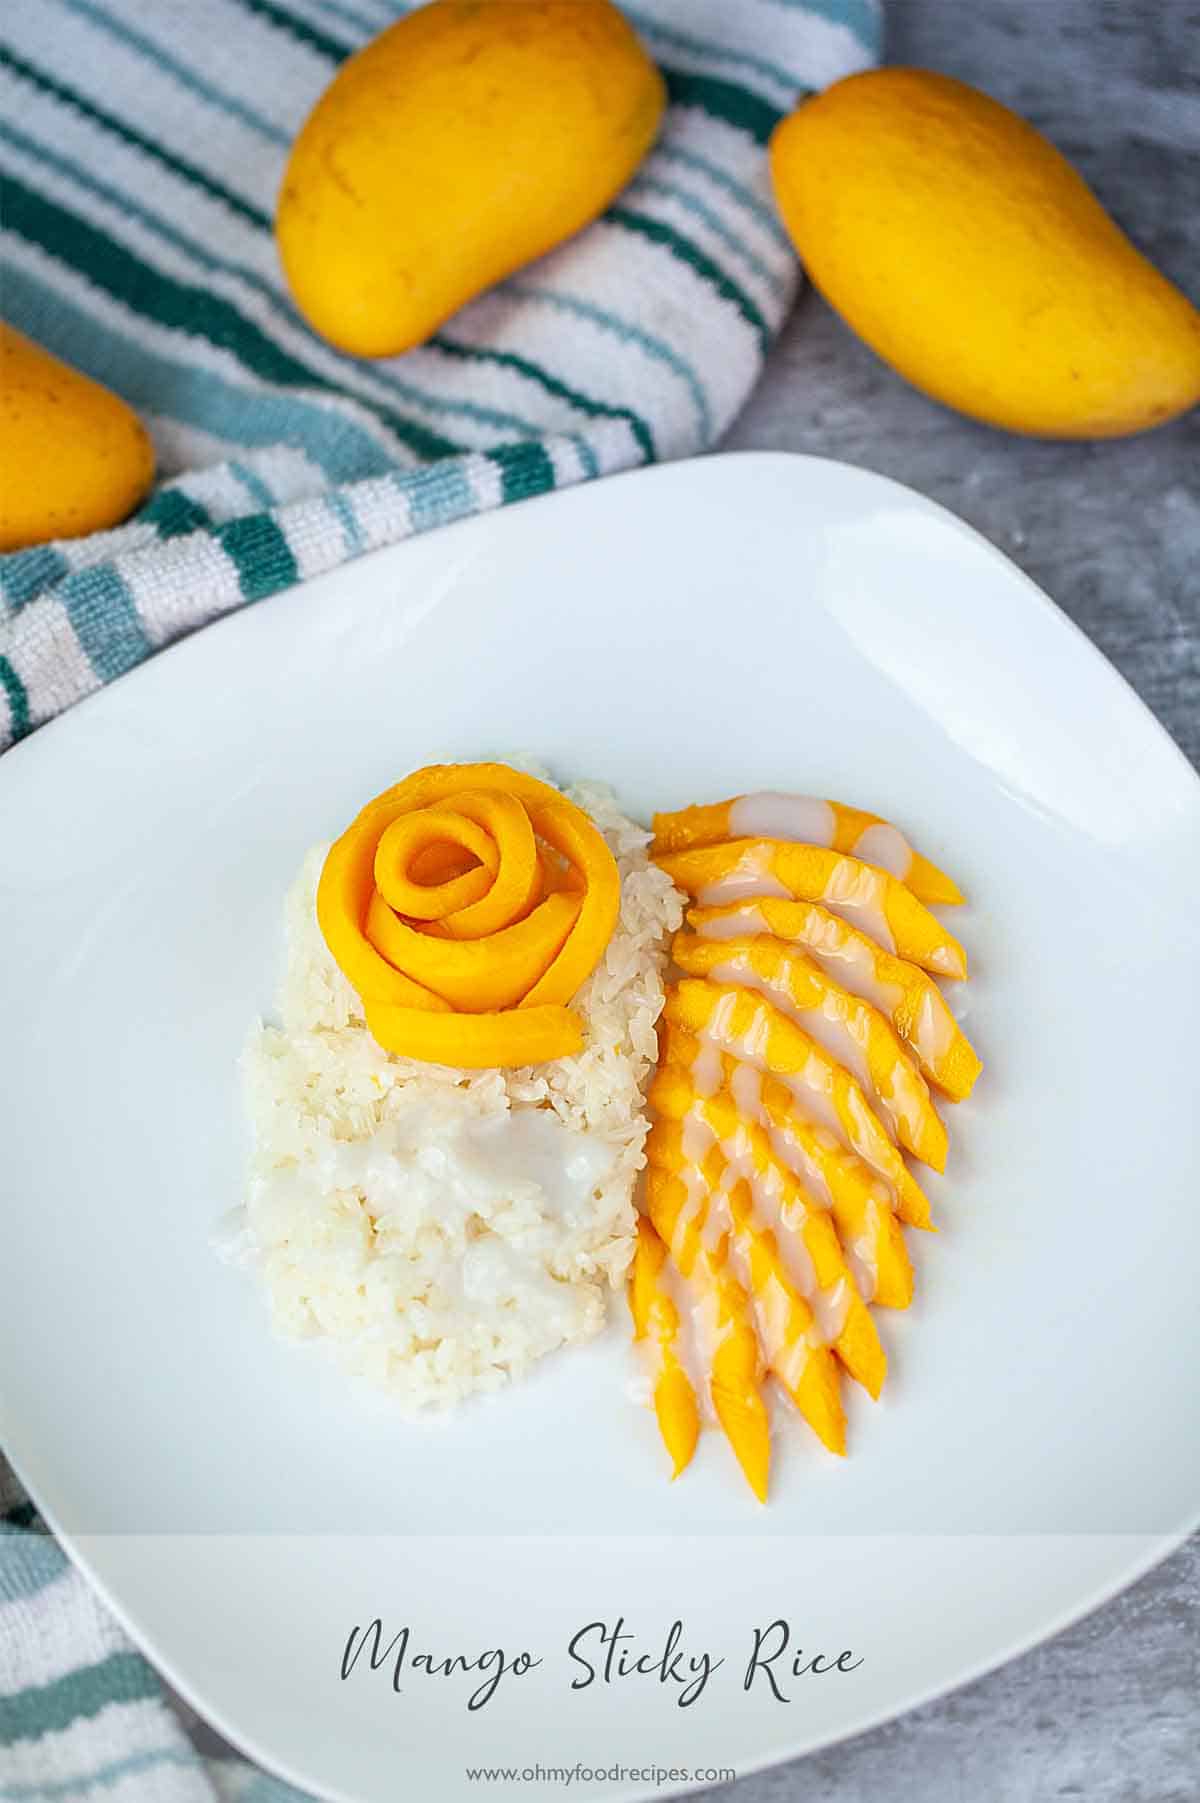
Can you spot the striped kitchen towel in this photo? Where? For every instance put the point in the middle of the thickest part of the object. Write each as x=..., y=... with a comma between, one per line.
x=141, y=150
x=82, y=1715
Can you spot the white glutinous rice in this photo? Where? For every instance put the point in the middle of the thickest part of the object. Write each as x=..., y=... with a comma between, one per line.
x=444, y=1228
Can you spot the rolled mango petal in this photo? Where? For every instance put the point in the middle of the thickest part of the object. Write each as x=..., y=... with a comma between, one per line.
x=477, y=975
x=850, y=1029
x=512, y=1036
x=461, y=898
x=343, y=899
x=805, y=820
x=570, y=832
x=411, y=841
x=869, y=898
x=907, y=995
x=510, y=852
x=435, y=782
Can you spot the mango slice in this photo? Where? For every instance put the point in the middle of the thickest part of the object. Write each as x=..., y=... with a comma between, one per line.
x=656, y=1318
x=803, y=1363
x=805, y=1236
x=762, y=1040
x=850, y=1029
x=830, y=1175
x=808, y=821
x=722, y=1205
x=467, y=905
x=735, y=1384
x=867, y=897
x=911, y=999
x=720, y=1208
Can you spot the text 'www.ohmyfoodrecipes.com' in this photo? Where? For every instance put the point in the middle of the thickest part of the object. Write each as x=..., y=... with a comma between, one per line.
x=566, y=1775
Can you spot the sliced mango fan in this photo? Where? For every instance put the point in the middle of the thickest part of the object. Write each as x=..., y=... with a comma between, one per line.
x=799, y=1051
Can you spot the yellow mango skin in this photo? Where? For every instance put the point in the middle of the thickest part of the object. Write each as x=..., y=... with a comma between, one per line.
x=972, y=257
x=73, y=457
x=469, y=138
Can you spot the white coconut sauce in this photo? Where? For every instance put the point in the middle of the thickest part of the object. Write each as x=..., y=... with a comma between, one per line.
x=708, y=1068
x=881, y=844
x=734, y=926
x=771, y=815
x=464, y=1166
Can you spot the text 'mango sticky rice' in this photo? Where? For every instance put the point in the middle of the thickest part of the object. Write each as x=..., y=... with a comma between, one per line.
x=449, y=1118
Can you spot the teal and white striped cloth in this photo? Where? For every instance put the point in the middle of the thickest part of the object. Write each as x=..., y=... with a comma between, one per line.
x=141, y=147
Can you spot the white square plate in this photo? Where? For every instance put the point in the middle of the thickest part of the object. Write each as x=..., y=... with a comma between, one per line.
x=684, y=633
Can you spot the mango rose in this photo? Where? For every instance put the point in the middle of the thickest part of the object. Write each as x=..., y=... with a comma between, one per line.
x=467, y=906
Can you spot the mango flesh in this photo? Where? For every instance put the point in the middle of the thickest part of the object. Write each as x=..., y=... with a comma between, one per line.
x=470, y=966
x=469, y=138
x=971, y=256
x=73, y=457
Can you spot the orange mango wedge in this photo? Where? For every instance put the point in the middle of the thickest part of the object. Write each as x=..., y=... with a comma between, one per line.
x=735, y=1385
x=848, y=1028
x=656, y=1320
x=752, y=1030
x=830, y=1176
x=805, y=1237
x=907, y=995
x=869, y=898
x=805, y=820
x=720, y=1206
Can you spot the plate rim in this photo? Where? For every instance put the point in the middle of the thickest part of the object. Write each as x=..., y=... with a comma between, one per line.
x=642, y=473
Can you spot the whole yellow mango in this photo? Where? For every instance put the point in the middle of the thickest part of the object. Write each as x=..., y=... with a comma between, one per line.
x=73, y=457
x=974, y=259
x=468, y=139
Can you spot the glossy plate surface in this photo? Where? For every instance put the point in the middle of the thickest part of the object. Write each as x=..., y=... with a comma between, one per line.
x=685, y=633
